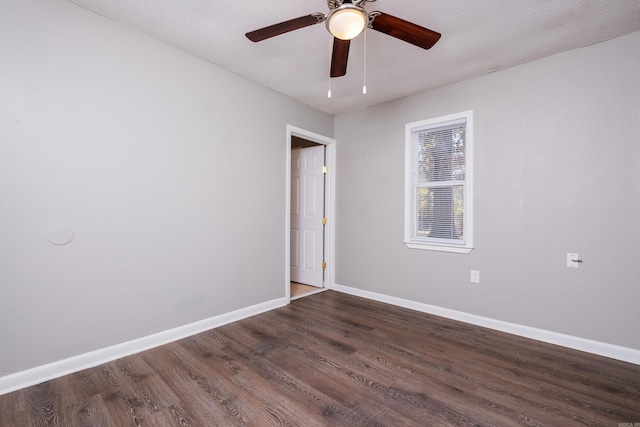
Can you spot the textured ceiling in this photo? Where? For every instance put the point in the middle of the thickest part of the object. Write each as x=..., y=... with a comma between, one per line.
x=478, y=37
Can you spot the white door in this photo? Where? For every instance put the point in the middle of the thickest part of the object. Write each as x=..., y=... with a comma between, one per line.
x=307, y=210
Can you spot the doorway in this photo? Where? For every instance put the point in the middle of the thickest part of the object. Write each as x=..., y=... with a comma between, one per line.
x=310, y=213
x=307, y=212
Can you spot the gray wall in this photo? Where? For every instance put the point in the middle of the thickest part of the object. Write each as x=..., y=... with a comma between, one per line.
x=557, y=170
x=170, y=171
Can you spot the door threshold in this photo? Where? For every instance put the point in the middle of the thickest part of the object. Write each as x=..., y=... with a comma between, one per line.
x=308, y=293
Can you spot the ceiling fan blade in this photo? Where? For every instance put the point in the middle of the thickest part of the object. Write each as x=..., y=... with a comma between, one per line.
x=285, y=27
x=339, y=57
x=404, y=30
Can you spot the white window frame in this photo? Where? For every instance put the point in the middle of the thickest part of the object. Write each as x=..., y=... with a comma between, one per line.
x=436, y=244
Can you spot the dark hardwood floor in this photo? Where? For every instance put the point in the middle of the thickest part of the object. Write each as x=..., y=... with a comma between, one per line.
x=332, y=359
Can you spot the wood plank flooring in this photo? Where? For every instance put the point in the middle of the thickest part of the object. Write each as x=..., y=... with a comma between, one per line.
x=332, y=359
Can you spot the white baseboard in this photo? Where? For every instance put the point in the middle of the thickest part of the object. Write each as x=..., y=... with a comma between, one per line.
x=77, y=363
x=73, y=364
x=613, y=351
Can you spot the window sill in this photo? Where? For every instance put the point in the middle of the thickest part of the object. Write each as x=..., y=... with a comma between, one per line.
x=439, y=248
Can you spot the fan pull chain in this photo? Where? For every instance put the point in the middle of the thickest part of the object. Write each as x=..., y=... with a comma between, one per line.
x=364, y=77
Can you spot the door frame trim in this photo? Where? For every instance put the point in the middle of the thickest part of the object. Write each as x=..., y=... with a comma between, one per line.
x=330, y=229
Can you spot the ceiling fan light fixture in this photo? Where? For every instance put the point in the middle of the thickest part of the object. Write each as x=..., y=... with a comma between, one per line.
x=346, y=21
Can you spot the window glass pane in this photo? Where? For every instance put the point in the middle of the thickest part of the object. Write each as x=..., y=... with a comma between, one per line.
x=440, y=154
x=458, y=212
x=440, y=212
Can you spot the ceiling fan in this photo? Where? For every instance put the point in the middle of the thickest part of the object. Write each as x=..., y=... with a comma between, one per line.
x=346, y=20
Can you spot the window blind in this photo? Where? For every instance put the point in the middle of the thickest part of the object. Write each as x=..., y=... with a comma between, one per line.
x=439, y=182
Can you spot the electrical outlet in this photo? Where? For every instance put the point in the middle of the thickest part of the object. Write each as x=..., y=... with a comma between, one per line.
x=475, y=276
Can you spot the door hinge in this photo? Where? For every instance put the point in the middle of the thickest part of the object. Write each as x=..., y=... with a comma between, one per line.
x=325, y=169
x=324, y=265
x=324, y=220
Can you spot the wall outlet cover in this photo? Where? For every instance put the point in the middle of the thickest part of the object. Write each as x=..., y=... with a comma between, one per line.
x=475, y=276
